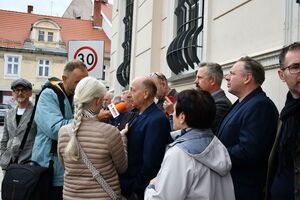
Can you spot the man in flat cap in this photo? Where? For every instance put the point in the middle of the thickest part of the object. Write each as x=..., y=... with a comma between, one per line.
x=15, y=125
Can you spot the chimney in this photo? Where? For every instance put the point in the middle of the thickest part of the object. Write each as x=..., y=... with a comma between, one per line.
x=29, y=9
x=97, y=13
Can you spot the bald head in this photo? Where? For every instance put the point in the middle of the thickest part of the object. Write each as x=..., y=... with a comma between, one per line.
x=143, y=91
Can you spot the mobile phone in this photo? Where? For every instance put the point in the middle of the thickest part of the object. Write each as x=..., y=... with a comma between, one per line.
x=171, y=98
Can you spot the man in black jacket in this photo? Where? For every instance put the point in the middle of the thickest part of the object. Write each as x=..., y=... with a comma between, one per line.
x=209, y=78
x=284, y=162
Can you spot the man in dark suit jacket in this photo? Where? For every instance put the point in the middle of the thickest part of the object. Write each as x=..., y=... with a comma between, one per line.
x=209, y=78
x=249, y=128
x=148, y=136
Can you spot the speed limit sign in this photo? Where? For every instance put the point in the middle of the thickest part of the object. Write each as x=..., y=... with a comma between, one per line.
x=90, y=52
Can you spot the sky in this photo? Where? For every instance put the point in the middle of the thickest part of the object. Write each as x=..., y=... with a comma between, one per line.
x=43, y=7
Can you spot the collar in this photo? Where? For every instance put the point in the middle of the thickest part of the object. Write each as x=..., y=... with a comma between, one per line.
x=149, y=109
x=216, y=92
x=89, y=113
x=193, y=133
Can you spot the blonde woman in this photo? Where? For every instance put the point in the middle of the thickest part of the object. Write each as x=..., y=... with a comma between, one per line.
x=103, y=144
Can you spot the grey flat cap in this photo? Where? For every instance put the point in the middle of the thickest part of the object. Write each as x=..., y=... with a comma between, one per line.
x=22, y=82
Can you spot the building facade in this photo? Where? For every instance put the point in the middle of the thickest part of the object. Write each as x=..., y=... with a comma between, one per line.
x=35, y=47
x=174, y=36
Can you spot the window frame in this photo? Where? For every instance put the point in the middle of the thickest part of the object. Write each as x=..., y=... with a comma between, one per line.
x=51, y=37
x=39, y=34
x=43, y=66
x=6, y=62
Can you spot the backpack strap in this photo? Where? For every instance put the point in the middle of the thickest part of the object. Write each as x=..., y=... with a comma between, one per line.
x=55, y=86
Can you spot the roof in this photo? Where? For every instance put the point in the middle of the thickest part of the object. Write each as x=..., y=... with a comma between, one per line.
x=16, y=26
x=107, y=10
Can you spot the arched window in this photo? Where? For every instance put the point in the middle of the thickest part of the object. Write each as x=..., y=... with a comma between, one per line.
x=185, y=50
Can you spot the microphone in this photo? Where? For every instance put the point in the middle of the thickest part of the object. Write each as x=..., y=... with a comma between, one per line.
x=115, y=110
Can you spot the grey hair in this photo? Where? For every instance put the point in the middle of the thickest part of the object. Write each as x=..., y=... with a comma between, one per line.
x=213, y=70
x=86, y=91
x=74, y=64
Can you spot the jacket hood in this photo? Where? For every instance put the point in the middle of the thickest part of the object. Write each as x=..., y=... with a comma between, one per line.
x=207, y=149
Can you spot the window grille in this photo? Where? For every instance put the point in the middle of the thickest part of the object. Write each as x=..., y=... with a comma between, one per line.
x=185, y=50
x=123, y=70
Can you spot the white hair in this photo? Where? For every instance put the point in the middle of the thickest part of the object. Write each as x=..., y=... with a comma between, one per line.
x=87, y=90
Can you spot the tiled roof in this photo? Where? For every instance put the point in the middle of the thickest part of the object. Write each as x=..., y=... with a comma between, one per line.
x=15, y=28
x=107, y=10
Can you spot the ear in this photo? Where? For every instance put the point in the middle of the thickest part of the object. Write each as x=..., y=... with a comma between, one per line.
x=64, y=78
x=248, y=78
x=30, y=93
x=146, y=94
x=281, y=75
x=181, y=118
x=164, y=84
x=212, y=80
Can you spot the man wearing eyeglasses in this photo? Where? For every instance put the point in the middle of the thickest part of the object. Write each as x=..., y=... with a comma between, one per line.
x=248, y=129
x=15, y=125
x=163, y=90
x=284, y=162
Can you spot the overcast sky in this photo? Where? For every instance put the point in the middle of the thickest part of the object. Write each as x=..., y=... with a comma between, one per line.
x=43, y=7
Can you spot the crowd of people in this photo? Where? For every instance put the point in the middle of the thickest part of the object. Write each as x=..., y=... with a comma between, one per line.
x=194, y=144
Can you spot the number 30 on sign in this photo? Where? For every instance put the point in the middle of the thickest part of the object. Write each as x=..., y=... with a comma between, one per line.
x=88, y=56
x=90, y=52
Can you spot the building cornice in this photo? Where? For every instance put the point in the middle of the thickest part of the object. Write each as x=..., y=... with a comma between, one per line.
x=39, y=51
x=35, y=50
x=268, y=59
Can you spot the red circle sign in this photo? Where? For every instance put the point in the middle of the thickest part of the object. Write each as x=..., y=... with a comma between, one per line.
x=93, y=51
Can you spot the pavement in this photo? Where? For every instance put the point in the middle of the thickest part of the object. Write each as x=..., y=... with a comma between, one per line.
x=1, y=174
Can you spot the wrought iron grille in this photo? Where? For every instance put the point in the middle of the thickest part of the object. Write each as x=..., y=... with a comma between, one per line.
x=123, y=70
x=182, y=52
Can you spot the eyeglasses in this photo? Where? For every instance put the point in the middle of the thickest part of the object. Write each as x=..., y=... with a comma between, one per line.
x=158, y=76
x=20, y=90
x=293, y=69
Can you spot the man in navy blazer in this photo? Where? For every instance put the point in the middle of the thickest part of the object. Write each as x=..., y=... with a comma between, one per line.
x=209, y=78
x=249, y=128
x=148, y=136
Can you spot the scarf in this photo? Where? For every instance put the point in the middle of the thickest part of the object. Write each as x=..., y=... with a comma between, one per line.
x=89, y=113
x=290, y=132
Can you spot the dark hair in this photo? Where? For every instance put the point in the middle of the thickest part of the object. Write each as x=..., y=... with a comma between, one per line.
x=198, y=106
x=150, y=86
x=291, y=47
x=213, y=70
x=74, y=64
x=255, y=68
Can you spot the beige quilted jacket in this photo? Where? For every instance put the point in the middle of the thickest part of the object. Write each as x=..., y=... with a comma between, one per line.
x=105, y=148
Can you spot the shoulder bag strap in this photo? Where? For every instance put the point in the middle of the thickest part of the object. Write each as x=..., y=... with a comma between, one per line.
x=96, y=174
x=26, y=134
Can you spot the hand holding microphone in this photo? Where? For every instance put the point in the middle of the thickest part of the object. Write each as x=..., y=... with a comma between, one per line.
x=114, y=111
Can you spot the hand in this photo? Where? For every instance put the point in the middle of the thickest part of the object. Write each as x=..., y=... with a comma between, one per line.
x=125, y=130
x=104, y=115
x=168, y=106
x=153, y=181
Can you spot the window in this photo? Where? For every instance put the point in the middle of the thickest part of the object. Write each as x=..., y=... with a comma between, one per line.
x=103, y=72
x=185, y=51
x=123, y=70
x=41, y=35
x=50, y=36
x=43, y=68
x=12, y=65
